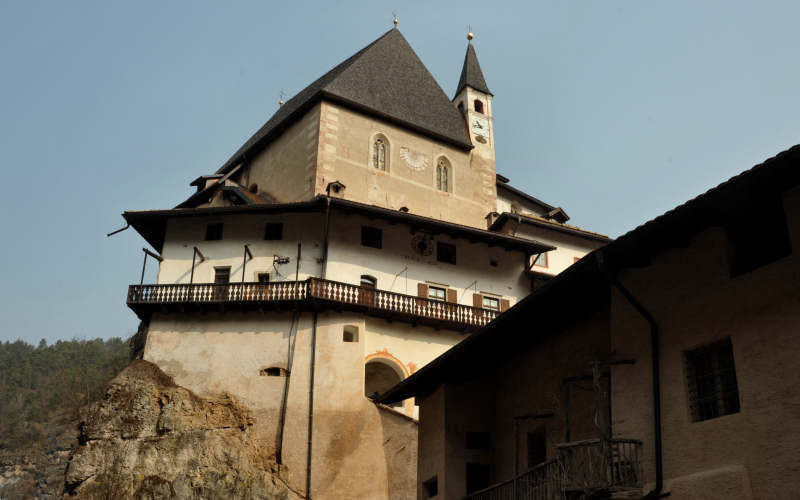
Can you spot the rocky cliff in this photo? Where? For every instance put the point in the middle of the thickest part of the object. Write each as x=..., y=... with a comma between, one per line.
x=150, y=438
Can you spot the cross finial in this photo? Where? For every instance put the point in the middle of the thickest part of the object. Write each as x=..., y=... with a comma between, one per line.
x=394, y=18
x=470, y=36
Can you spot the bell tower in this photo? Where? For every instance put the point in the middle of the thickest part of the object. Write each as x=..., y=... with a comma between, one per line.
x=474, y=100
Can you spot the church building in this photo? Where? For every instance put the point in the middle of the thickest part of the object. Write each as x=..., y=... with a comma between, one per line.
x=361, y=232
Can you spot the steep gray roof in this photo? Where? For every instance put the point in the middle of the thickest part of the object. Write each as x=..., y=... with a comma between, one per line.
x=471, y=74
x=385, y=79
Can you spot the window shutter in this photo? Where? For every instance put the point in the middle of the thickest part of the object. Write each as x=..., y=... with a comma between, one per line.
x=504, y=304
x=477, y=300
x=422, y=290
x=452, y=296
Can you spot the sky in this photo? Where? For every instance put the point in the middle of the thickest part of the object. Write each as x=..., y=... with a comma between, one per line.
x=616, y=111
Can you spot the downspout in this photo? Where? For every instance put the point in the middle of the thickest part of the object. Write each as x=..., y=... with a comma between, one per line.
x=325, y=238
x=314, y=351
x=311, y=403
x=654, y=350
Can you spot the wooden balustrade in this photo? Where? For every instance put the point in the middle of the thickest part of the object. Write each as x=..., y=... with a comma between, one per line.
x=581, y=467
x=313, y=291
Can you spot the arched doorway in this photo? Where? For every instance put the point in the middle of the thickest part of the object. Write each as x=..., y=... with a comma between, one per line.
x=379, y=376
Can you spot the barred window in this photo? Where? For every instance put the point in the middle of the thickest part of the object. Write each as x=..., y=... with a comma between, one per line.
x=711, y=378
x=379, y=151
x=443, y=175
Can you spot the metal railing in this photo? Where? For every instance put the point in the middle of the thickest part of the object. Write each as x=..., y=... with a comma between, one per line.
x=585, y=467
x=314, y=289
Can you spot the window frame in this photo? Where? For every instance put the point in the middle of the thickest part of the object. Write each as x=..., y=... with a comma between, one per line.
x=444, y=256
x=485, y=298
x=444, y=175
x=538, y=257
x=435, y=297
x=211, y=233
x=712, y=390
x=374, y=153
x=277, y=231
x=373, y=240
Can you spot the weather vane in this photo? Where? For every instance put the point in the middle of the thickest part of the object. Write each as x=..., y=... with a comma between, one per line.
x=394, y=18
x=281, y=96
x=470, y=36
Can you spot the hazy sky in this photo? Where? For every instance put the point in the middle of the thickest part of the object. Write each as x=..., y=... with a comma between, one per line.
x=616, y=111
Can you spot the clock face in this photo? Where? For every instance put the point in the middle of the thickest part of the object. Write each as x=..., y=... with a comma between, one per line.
x=479, y=126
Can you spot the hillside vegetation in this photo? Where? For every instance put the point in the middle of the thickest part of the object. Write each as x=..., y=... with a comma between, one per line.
x=41, y=390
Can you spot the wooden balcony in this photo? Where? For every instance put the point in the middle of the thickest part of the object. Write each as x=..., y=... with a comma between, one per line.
x=311, y=294
x=582, y=469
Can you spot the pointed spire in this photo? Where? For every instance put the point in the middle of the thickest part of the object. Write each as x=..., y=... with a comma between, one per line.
x=471, y=74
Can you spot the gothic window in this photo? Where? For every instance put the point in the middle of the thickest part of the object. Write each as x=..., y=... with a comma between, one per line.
x=443, y=177
x=380, y=153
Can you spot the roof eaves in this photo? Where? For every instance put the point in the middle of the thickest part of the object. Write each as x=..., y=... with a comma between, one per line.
x=556, y=226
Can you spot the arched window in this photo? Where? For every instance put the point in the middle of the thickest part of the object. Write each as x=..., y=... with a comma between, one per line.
x=380, y=375
x=478, y=105
x=380, y=153
x=443, y=175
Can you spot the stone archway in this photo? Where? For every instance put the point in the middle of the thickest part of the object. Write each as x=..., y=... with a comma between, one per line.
x=381, y=374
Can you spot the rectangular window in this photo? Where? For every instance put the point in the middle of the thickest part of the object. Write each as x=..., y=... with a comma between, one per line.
x=371, y=237
x=263, y=277
x=214, y=231
x=445, y=252
x=436, y=293
x=537, y=447
x=540, y=259
x=491, y=303
x=477, y=477
x=479, y=441
x=431, y=487
x=222, y=276
x=273, y=231
x=711, y=379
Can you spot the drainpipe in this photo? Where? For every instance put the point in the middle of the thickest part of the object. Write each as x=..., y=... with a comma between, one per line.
x=314, y=352
x=654, y=349
x=311, y=404
x=325, y=238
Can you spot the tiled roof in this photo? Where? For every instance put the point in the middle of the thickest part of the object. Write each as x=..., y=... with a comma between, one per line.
x=385, y=79
x=471, y=74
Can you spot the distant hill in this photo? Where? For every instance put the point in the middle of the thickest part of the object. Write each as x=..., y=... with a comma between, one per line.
x=41, y=390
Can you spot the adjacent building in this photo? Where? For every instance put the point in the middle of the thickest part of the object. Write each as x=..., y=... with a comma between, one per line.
x=356, y=236
x=662, y=363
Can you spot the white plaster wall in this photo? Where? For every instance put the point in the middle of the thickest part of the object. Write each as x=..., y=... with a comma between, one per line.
x=183, y=233
x=348, y=260
x=505, y=199
x=568, y=247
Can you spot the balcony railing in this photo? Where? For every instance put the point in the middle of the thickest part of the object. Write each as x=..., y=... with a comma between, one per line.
x=580, y=468
x=312, y=293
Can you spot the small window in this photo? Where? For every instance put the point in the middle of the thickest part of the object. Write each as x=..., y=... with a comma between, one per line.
x=214, y=231
x=371, y=237
x=477, y=477
x=431, y=487
x=273, y=371
x=436, y=293
x=350, y=334
x=222, y=275
x=540, y=260
x=491, y=303
x=493, y=263
x=368, y=281
x=461, y=107
x=445, y=252
x=537, y=447
x=273, y=231
x=263, y=277
x=479, y=441
x=711, y=379
x=379, y=153
x=443, y=175
x=478, y=105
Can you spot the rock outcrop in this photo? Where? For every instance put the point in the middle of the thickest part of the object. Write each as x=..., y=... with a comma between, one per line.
x=149, y=438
